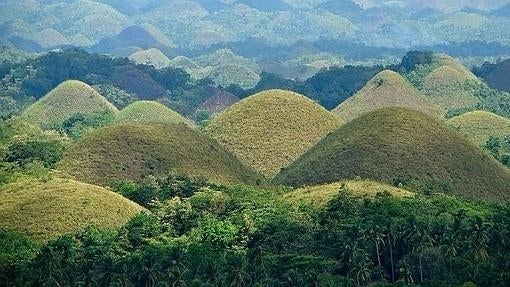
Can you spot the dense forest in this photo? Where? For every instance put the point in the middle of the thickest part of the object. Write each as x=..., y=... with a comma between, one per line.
x=198, y=234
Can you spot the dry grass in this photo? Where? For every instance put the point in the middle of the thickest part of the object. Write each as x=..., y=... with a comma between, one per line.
x=319, y=195
x=65, y=100
x=396, y=145
x=152, y=57
x=271, y=129
x=386, y=89
x=45, y=210
x=149, y=112
x=132, y=151
x=447, y=88
x=479, y=126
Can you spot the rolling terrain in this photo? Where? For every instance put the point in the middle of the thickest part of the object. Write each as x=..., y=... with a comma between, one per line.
x=271, y=129
x=480, y=126
x=149, y=112
x=401, y=146
x=386, y=89
x=133, y=151
x=47, y=209
x=67, y=99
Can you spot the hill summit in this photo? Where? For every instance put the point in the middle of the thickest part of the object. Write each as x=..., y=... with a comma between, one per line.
x=152, y=57
x=402, y=146
x=386, y=89
x=479, y=126
x=133, y=151
x=149, y=112
x=49, y=209
x=69, y=98
x=271, y=129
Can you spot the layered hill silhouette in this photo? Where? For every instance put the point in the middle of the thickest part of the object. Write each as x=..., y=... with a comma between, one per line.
x=446, y=60
x=69, y=98
x=152, y=57
x=402, y=146
x=480, y=126
x=45, y=210
x=218, y=102
x=386, y=89
x=446, y=86
x=149, y=112
x=132, y=151
x=271, y=129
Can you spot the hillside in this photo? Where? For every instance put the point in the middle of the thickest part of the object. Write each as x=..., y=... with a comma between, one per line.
x=319, y=195
x=65, y=100
x=49, y=209
x=386, y=89
x=132, y=151
x=445, y=60
x=447, y=87
x=149, y=112
x=396, y=145
x=271, y=129
x=479, y=126
x=152, y=57
x=218, y=102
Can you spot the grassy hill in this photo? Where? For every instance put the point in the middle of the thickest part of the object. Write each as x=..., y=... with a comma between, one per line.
x=45, y=210
x=271, y=129
x=445, y=60
x=396, y=145
x=386, y=89
x=65, y=100
x=132, y=151
x=319, y=195
x=233, y=75
x=148, y=112
x=479, y=126
x=152, y=57
x=447, y=87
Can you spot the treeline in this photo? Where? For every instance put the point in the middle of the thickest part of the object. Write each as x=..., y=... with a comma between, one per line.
x=118, y=79
x=202, y=235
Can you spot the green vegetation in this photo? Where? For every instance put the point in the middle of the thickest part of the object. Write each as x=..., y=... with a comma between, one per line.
x=402, y=147
x=320, y=195
x=271, y=129
x=45, y=210
x=149, y=112
x=480, y=126
x=446, y=87
x=386, y=89
x=135, y=151
x=243, y=236
x=67, y=99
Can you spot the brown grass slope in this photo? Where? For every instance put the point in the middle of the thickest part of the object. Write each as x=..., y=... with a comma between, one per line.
x=132, y=151
x=446, y=87
x=271, y=129
x=479, y=126
x=446, y=60
x=149, y=112
x=153, y=57
x=396, y=145
x=45, y=210
x=386, y=89
x=66, y=99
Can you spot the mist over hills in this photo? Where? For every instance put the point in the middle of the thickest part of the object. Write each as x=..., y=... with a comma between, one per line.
x=200, y=24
